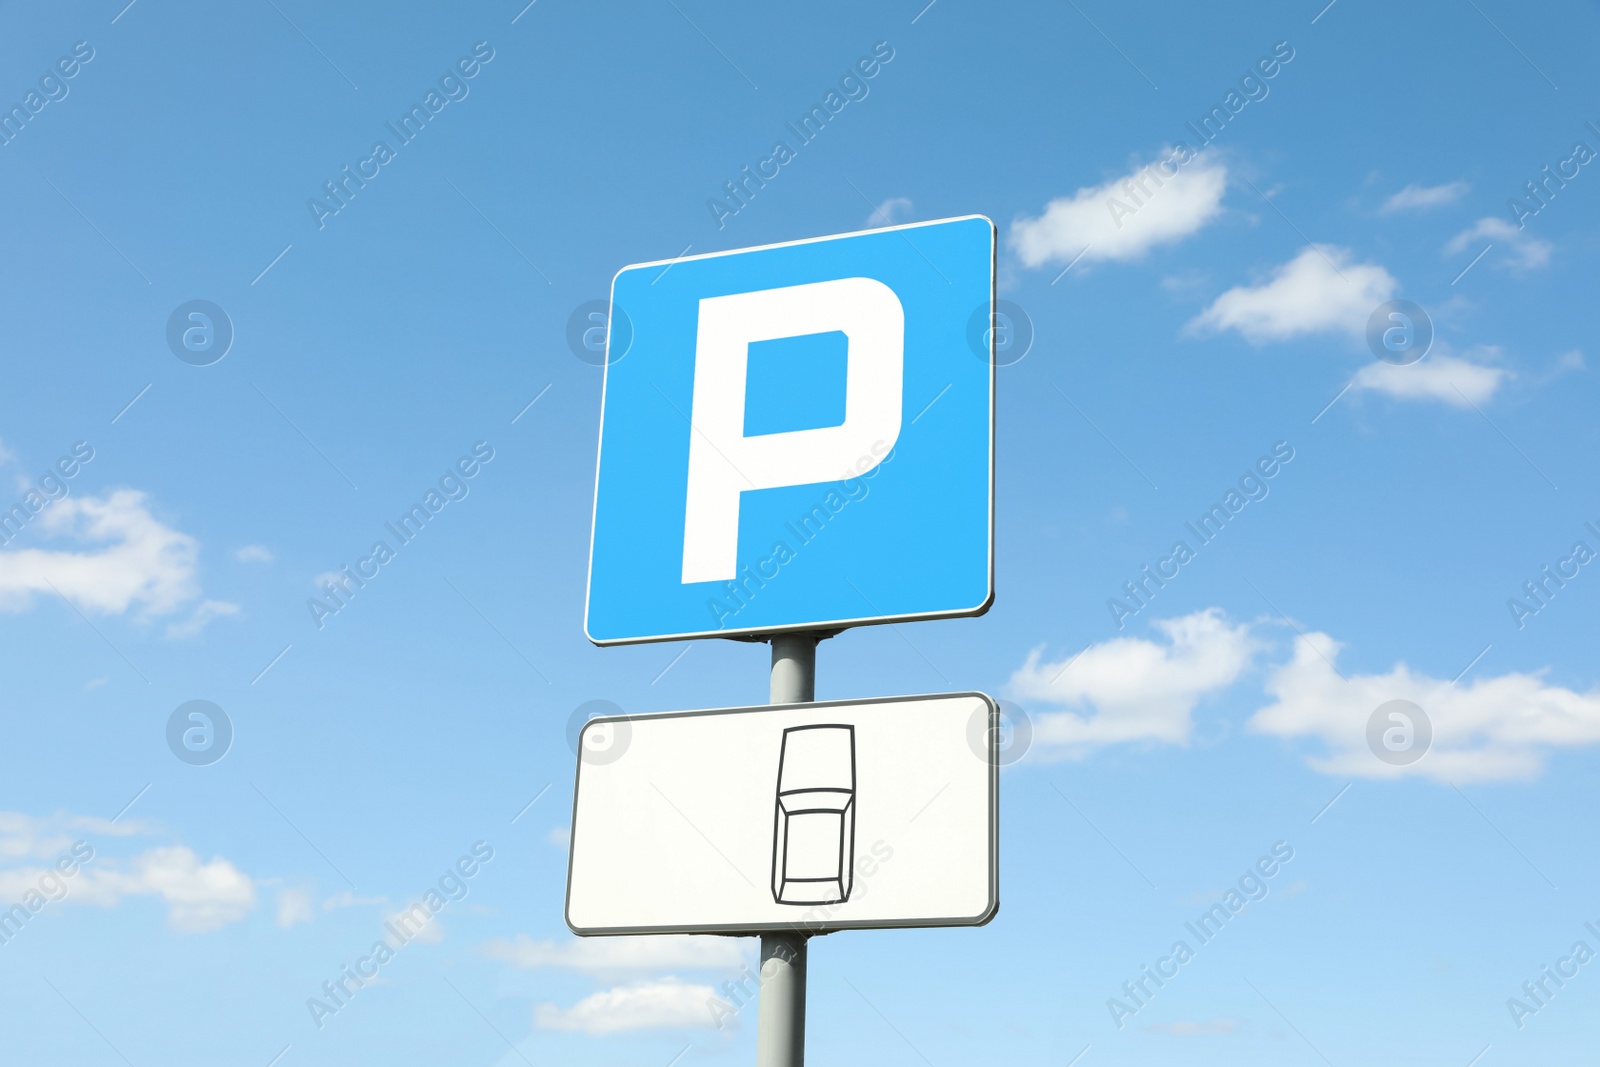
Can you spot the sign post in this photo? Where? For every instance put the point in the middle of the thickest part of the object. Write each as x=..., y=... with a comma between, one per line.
x=781, y=1026
x=794, y=439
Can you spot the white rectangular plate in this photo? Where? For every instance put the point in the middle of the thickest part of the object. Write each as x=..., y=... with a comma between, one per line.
x=679, y=826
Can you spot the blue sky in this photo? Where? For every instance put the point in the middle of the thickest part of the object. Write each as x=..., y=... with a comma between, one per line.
x=1180, y=335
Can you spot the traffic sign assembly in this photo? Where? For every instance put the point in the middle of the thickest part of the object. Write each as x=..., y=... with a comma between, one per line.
x=794, y=439
x=798, y=437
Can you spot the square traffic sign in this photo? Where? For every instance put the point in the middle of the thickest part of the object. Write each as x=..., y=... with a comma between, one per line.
x=798, y=437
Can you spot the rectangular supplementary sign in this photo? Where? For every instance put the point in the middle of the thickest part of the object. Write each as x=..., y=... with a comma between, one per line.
x=798, y=437
x=811, y=817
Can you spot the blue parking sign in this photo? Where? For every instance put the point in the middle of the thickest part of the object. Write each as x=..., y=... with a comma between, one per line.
x=798, y=437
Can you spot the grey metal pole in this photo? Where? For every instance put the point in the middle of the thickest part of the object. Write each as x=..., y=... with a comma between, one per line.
x=781, y=1025
x=794, y=668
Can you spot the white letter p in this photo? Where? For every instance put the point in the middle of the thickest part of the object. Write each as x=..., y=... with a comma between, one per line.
x=723, y=462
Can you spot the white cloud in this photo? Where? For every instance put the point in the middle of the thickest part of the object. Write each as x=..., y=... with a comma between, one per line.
x=559, y=836
x=1440, y=376
x=612, y=956
x=891, y=211
x=664, y=1004
x=1121, y=220
x=1492, y=729
x=1321, y=290
x=1423, y=197
x=199, y=896
x=103, y=827
x=134, y=559
x=202, y=615
x=24, y=836
x=1131, y=689
x=253, y=554
x=1526, y=252
x=294, y=906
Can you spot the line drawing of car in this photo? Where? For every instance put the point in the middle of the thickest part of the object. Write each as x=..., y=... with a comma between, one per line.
x=814, y=833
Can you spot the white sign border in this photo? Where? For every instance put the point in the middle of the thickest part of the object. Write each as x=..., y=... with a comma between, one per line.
x=748, y=633
x=747, y=929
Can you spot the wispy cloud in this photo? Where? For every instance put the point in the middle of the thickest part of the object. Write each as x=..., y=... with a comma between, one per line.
x=891, y=211
x=1424, y=197
x=1188, y=1028
x=200, y=896
x=294, y=907
x=1525, y=252
x=201, y=617
x=347, y=899
x=26, y=836
x=429, y=932
x=664, y=1004
x=1125, y=217
x=616, y=956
